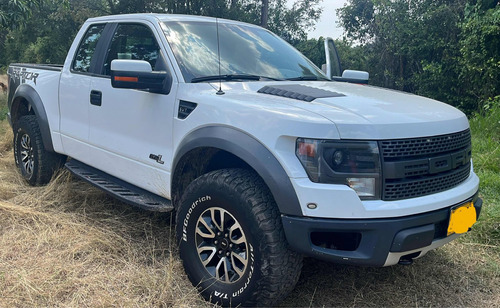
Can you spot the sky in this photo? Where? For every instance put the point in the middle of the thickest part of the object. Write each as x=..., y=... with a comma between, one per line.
x=327, y=26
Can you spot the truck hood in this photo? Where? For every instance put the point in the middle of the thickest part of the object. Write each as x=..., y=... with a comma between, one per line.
x=365, y=112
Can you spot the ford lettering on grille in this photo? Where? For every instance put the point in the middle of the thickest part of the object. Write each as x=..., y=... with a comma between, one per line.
x=423, y=166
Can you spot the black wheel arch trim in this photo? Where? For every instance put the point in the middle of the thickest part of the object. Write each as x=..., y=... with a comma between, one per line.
x=252, y=152
x=26, y=92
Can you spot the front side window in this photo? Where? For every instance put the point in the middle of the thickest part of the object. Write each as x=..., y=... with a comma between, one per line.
x=135, y=42
x=86, y=50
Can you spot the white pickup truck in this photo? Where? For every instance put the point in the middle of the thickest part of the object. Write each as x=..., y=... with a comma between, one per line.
x=264, y=157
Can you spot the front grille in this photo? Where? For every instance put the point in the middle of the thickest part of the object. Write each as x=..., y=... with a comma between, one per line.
x=422, y=166
x=397, y=190
x=424, y=146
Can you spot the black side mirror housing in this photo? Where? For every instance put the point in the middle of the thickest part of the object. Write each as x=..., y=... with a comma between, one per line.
x=138, y=74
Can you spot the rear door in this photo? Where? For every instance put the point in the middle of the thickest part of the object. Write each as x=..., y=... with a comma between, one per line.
x=130, y=131
x=74, y=91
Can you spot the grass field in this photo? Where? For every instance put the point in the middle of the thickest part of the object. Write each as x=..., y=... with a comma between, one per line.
x=68, y=244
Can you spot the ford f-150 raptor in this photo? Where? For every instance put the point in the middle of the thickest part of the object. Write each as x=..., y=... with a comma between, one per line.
x=264, y=157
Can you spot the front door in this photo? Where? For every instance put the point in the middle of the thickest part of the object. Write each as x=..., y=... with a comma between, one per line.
x=131, y=130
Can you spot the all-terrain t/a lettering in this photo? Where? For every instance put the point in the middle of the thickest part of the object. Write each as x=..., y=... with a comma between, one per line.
x=188, y=215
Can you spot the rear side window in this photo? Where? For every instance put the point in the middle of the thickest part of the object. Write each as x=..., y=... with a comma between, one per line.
x=86, y=50
x=132, y=41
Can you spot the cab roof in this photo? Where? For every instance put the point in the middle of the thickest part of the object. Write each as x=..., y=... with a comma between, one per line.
x=154, y=17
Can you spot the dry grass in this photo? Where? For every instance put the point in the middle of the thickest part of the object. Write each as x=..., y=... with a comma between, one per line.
x=69, y=245
x=457, y=275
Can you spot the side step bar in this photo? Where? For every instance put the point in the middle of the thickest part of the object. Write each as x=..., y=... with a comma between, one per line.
x=119, y=189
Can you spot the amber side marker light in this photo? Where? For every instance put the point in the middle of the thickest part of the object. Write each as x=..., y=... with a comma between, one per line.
x=128, y=79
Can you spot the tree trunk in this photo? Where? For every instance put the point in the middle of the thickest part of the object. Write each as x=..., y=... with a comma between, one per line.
x=264, y=13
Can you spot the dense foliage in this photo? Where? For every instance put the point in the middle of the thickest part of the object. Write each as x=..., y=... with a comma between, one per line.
x=41, y=31
x=445, y=49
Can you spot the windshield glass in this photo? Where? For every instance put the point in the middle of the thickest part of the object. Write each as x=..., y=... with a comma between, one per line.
x=244, y=50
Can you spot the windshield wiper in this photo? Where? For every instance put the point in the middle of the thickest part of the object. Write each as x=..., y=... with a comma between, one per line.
x=230, y=77
x=305, y=78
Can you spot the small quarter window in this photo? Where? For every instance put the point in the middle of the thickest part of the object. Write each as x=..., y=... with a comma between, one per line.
x=86, y=50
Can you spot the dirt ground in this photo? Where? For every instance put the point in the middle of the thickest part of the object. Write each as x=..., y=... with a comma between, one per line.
x=69, y=245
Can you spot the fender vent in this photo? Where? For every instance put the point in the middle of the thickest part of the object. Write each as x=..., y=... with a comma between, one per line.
x=185, y=109
x=297, y=91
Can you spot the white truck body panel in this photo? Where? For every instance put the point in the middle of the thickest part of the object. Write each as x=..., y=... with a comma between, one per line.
x=126, y=128
x=371, y=113
x=342, y=202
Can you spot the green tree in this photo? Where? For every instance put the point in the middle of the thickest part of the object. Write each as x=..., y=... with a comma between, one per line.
x=47, y=35
x=406, y=37
x=49, y=30
x=351, y=57
x=480, y=54
x=448, y=50
x=15, y=12
x=313, y=49
x=294, y=23
x=290, y=23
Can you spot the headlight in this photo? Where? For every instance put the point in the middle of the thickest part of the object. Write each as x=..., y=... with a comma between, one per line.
x=353, y=163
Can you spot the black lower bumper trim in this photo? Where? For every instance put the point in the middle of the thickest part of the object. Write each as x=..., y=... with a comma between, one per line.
x=378, y=236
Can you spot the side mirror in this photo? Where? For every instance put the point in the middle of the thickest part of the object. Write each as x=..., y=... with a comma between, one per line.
x=354, y=77
x=138, y=74
x=332, y=68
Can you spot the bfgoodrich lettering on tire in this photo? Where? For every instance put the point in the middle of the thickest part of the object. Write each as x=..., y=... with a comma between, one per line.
x=35, y=163
x=231, y=240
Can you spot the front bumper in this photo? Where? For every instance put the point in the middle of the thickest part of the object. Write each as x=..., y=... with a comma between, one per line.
x=371, y=242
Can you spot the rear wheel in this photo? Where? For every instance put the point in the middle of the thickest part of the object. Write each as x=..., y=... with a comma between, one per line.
x=232, y=242
x=35, y=163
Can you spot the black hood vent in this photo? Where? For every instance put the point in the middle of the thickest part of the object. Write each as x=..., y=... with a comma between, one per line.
x=297, y=91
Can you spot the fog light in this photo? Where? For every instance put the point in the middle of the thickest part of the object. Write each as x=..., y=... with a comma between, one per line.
x=338, y=157
x=312, y=206
x=364, y=187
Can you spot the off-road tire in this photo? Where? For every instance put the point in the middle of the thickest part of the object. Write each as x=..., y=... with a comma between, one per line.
x=36, y=164
x=272, y=269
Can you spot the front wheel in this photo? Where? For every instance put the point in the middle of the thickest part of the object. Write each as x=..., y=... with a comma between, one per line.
x=36, y=164
x=231, y=240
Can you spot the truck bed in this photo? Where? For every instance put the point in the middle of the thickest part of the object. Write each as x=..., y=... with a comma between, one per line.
x=38, y=86
x=50, y=67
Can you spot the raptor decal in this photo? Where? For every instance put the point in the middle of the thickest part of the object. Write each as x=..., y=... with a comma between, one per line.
x=24, y=74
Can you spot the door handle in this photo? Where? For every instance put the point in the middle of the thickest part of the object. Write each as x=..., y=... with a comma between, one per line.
x=96, y=97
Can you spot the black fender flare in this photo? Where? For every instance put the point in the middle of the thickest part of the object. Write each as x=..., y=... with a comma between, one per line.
x=26, y=92
x=252, y=152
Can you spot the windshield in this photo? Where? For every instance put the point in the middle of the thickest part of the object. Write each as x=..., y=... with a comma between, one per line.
x=244, y=50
